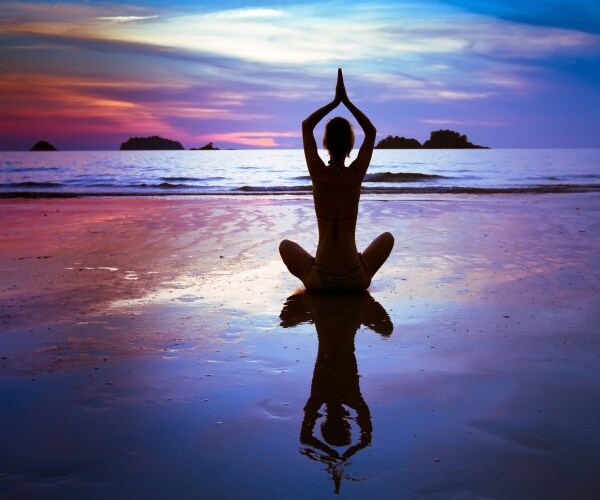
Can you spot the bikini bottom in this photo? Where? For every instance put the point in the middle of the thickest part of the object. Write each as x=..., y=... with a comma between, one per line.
x=349, y=279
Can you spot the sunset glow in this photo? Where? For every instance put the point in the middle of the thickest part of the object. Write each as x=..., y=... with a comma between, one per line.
x=89, y=75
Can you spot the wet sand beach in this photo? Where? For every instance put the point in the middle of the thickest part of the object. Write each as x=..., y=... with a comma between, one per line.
x=157, y=347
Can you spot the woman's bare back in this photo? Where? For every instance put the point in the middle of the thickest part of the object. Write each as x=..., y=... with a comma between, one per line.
x=336, y=198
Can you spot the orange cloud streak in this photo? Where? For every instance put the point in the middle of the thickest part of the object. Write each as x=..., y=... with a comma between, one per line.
x=262, y=139
x=37, y=106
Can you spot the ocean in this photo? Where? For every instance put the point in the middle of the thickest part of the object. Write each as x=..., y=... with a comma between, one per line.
x=272, y=172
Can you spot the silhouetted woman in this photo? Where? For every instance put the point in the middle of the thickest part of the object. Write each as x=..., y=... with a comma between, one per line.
x=337, y=264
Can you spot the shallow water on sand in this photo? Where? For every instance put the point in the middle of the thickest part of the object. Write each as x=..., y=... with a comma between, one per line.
x=469, y=370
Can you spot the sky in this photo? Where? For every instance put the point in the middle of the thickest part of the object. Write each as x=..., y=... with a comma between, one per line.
x=88, y=75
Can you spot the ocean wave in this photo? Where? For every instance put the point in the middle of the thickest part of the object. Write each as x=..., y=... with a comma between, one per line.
x=402, y=177
x=537, y=189
x=391, y=177
x=101, y=185
x=274, y=189
x=129, y=187
x=143, y=185
x=162, y=185
x=191, y=179
x=31, y=184
x=18, y=170
x=586, y=176
x=34, y=190
x=561, y=179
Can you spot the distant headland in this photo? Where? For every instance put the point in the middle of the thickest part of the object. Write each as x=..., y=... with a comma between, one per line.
x=439, y=139
x=42, y=146
x=150, y=143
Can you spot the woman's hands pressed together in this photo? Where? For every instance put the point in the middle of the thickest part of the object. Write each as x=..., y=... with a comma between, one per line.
x=340, y=89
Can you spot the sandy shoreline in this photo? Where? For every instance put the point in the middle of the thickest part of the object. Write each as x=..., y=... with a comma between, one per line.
x=142, y=347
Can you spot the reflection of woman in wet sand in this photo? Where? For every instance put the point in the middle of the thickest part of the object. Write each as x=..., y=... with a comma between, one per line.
x=337, y=264
x=335, y=382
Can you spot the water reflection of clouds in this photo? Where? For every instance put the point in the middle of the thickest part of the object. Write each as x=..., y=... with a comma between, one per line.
x=335, y=384
x=249, y=290
x=443, y=266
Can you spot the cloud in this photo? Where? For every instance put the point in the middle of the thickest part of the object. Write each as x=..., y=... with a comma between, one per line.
x=189, y=71
x=126, y=19
x=452, y=121
x=163, y=98
x=442, y=121
x=262, y=139
x=434, y=89
x=301, y=35
x=398, y=50
x=246, y=13
x=79, y=106
x=307, y=37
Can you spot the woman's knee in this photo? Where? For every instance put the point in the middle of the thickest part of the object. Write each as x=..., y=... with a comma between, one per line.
x=378, y=252
x=385, y=241
x=285, y=246
x=388, y=238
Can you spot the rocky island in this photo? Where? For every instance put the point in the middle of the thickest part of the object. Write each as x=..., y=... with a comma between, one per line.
x=207, y=147
x=42, y=146
x=439, y=139
x=396, y=142
x=150, y=143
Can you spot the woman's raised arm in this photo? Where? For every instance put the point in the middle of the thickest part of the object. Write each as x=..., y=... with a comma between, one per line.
x=313, y=160
x=366, y=150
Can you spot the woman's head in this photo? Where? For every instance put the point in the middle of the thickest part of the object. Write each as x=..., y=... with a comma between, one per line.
x=336, y=429
x=338, y=138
